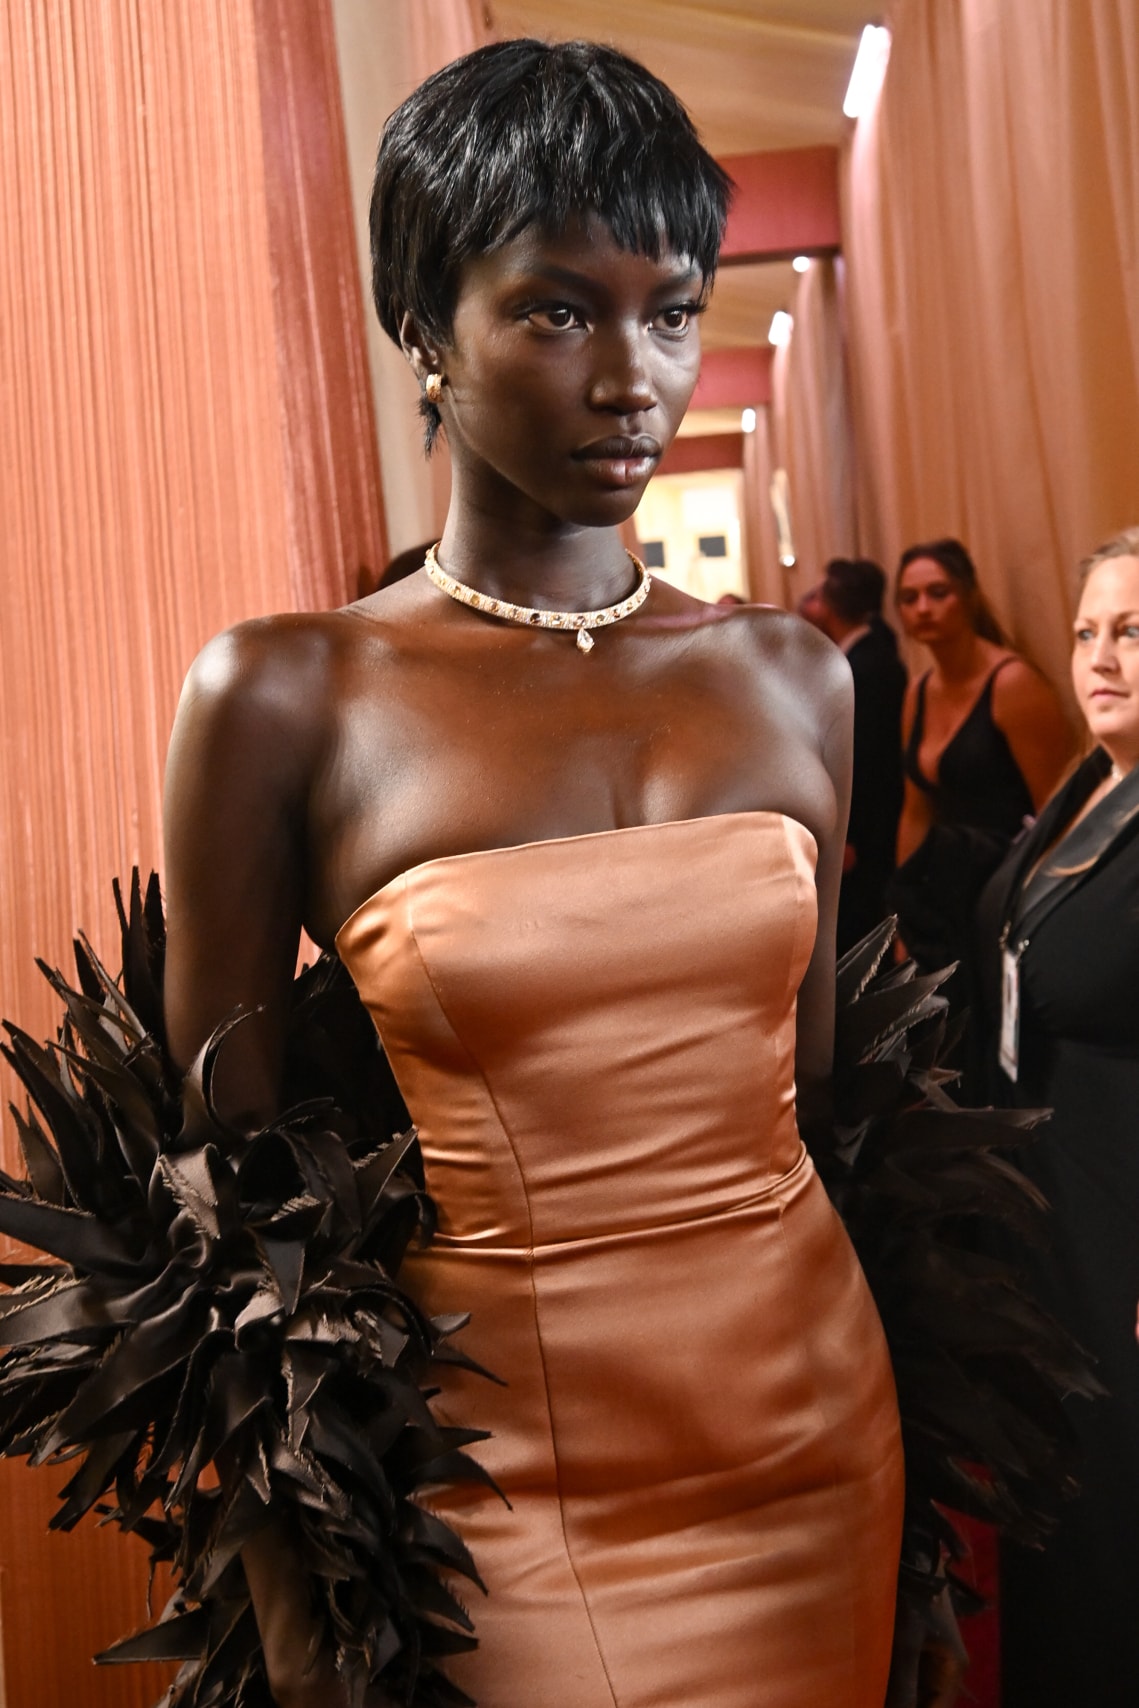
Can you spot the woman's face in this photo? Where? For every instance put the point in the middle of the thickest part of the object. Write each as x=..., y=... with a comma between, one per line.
x=931, y=603
x=570, y=366
x=1105, y=656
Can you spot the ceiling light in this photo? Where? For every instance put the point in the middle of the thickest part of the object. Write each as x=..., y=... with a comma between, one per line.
x=869, y=70
x=747, y=421
x=779, y=332
x=801, y=263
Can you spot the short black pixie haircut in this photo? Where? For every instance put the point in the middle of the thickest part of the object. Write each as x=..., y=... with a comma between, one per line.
x=528, y=132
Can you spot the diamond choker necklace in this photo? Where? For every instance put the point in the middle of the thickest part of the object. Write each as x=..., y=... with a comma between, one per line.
x=582, y=621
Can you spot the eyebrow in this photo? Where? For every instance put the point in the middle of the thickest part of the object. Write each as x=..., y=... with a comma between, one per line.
x=572, y=279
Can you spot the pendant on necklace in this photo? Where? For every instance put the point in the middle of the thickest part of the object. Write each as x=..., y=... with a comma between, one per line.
x=584, y=640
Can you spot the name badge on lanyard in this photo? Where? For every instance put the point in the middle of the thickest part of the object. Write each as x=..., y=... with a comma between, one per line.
x=1008, y=1053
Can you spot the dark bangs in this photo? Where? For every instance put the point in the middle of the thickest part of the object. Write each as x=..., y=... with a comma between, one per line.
x=525, y=132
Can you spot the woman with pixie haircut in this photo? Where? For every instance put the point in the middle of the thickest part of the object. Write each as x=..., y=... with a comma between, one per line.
x=578, y=839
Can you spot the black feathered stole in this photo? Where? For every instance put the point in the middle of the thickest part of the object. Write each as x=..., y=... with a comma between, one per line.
x=218, y=1299
x=224, y=1298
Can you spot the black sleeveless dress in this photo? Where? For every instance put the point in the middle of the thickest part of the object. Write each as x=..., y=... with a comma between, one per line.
x=979, y=784
x=979, y=803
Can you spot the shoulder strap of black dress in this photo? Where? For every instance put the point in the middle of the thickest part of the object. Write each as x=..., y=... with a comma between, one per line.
x=986, y=693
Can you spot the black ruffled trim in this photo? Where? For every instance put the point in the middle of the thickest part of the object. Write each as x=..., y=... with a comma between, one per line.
x=930, y=1195
x=216, y=1296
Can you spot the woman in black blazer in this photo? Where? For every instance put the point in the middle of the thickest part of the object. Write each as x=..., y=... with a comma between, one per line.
x=1061, y=923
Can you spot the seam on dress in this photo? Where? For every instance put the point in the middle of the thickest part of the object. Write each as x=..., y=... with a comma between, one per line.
x=477, y=1066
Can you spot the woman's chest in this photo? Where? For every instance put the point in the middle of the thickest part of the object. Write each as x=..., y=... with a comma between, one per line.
x=949, y=718
x=446, y=765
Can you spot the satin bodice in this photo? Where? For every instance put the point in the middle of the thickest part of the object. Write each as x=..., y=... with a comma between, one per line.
x=638, y=985
x=695, y=1426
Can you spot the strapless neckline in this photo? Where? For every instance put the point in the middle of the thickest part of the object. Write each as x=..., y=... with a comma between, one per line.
x=505, y=848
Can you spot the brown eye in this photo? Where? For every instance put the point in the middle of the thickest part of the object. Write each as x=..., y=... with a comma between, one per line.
x=676, y=319
x=554, y=317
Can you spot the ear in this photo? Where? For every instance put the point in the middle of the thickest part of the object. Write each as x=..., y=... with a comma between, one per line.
x=422, y=352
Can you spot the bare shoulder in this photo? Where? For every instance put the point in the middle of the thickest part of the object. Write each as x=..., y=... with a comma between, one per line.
x=268, y=677
x=1019, y=690
x=798, y=658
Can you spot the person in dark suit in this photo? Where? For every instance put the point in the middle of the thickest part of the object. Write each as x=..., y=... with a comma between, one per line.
x=850, y=605
x=1058, y=942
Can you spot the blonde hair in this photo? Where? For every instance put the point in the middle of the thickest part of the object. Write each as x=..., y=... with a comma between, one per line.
x=1125, y=544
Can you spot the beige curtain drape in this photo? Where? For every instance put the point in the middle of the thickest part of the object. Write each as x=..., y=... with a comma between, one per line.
x=765, y=574
x=992, y=243
x=815, y=425
x=187, y=441
x=384, y=52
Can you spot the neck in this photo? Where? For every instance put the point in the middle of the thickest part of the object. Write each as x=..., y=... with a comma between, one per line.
x=568, y=569
x=845, y=634
x=960, y=658
x=1121, y=763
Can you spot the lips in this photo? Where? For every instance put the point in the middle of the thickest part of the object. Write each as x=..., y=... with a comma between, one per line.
x=619, y=448
x=621, y=460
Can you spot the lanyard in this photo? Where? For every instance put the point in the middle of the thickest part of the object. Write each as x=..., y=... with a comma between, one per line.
x=1008, y=1048
x=1082, y=849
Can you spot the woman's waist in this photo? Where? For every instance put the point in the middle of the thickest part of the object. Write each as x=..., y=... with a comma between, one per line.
x=530, y=1225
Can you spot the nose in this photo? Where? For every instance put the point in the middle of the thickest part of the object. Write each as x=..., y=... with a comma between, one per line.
x=622, y=380
x=1103, y=651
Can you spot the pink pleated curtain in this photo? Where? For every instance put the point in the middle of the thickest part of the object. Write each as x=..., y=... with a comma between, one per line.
x=992, y=268
x=187, y=442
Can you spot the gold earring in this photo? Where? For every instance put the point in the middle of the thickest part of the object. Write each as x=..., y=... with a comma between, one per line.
x=433, y=388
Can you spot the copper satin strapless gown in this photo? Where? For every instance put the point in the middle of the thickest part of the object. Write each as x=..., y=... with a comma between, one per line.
x=699, y=1435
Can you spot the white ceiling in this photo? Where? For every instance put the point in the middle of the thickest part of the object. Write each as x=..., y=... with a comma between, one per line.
x=754, y=74
x=743, y=302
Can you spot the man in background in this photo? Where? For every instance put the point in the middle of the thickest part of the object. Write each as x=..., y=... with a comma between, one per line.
x=850, y=612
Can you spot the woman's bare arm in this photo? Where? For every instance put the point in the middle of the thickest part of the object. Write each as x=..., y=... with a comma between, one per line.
x=237, y=779
x=1027, y=711
x=916, y=817
x=246, y=744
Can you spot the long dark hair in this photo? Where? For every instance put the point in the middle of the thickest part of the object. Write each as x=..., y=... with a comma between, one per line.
x=959, y=566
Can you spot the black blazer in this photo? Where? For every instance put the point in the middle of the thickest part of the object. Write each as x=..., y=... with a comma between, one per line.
x=999, y=907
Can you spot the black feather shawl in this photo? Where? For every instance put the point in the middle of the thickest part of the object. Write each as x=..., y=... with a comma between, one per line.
x=215, y=1298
